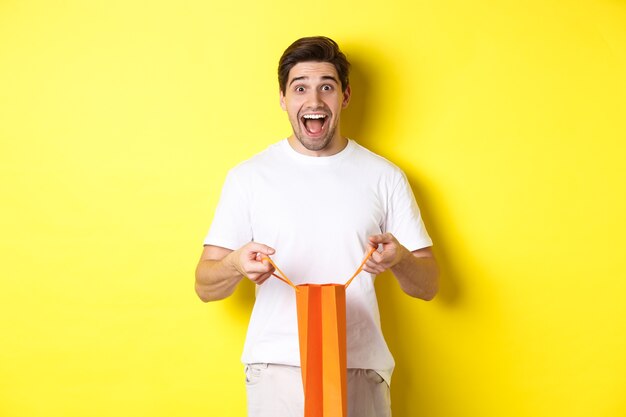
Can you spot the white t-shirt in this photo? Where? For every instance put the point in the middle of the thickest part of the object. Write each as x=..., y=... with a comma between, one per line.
x=317, y=213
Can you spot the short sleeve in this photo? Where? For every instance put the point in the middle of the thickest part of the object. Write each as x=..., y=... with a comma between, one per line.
x=231, y=224
x=404, y=219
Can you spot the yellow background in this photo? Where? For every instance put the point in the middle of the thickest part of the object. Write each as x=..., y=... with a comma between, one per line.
x=119, y=120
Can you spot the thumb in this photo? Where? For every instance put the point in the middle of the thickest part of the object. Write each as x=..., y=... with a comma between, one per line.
x=375, y=240
x=382, y=238
x=260, y=248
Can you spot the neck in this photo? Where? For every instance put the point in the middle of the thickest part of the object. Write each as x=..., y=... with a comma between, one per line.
x=336, y=145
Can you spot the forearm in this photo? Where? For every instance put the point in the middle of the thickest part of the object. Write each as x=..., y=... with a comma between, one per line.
x=417, y=276
x=220, y=269
x=216, y=279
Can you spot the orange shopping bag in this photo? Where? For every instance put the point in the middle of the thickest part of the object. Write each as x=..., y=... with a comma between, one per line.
x=322, y=334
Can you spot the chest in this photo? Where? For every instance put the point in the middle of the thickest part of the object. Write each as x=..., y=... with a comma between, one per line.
x=317, y=201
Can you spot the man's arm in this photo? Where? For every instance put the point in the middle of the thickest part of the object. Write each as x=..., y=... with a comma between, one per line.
x=417, y=271
x=220, y=270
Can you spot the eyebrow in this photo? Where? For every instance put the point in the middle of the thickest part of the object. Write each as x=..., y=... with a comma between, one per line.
x=304, y=77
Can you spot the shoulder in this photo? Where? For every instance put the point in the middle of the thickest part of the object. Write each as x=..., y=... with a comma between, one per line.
x=265, y=159
x=374, y=162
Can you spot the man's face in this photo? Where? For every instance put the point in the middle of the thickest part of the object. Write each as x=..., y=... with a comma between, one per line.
x=313, y=101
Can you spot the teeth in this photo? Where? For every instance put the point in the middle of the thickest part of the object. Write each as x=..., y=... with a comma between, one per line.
x=314, y=116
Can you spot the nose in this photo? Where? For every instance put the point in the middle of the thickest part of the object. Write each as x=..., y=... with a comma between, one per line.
x=315, y=98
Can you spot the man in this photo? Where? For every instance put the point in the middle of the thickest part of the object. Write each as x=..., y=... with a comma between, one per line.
x=315, y=202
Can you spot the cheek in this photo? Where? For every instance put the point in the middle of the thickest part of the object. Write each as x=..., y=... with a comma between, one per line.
x=293, y=115
x=338, y=104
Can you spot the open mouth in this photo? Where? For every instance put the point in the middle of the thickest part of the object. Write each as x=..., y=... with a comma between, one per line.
x=314, y=123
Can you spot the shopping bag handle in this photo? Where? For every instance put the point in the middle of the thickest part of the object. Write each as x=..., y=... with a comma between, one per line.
x=287, y=281
x=358, y=271
x=284, y=277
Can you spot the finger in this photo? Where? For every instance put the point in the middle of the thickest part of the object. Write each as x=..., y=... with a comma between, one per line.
x=377, y=269
x=375, y=239
x=377, y=257
x=382, y=238
x=371, y=263
x=263, y=278
x=368, y=269
x=254, y=247
x=253, y=277
x=373, y=244
x=262, y=267
x=378, y=239
x=368, y=255
x=268, y=265
x=374, y=267
x=254, y=267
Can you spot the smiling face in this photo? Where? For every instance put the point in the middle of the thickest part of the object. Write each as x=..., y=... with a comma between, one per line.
x=313, y=100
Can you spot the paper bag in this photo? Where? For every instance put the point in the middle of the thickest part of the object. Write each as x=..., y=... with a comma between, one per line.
x=322, y=336
x=323, y=356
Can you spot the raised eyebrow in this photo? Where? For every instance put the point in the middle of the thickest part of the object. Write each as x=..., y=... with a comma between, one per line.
x=304, y=77
x=297, y=79
x=330, y=77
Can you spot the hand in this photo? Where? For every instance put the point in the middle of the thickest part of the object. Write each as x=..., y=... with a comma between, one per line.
x=248, y=261
x=391, y=255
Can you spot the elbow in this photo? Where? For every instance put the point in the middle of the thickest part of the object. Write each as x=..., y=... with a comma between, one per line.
x=429, y=295
x=202, y=295
x=429, y=291
x=425, y=282
x=203, y=291
x=423, y=294
x=206, y=295
x=433, y=288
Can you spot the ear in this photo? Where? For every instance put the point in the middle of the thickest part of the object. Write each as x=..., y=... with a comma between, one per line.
x=282, y=101
x=346, y=97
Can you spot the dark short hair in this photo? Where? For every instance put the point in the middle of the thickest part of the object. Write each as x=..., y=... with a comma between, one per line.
x=316, y=49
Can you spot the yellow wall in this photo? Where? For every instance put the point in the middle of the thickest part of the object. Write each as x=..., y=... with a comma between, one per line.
x=119, y=119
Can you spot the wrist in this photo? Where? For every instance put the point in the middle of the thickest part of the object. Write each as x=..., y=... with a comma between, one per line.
x=403, y=255
x=230, y=262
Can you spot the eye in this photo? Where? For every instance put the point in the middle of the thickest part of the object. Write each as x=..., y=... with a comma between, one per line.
x=327, y=87
x=299, y=89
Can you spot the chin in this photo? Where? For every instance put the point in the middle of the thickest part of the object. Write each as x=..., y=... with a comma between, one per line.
x=314, y=145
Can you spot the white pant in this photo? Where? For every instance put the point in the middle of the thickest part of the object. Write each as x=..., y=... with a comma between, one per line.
x=276, y=391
